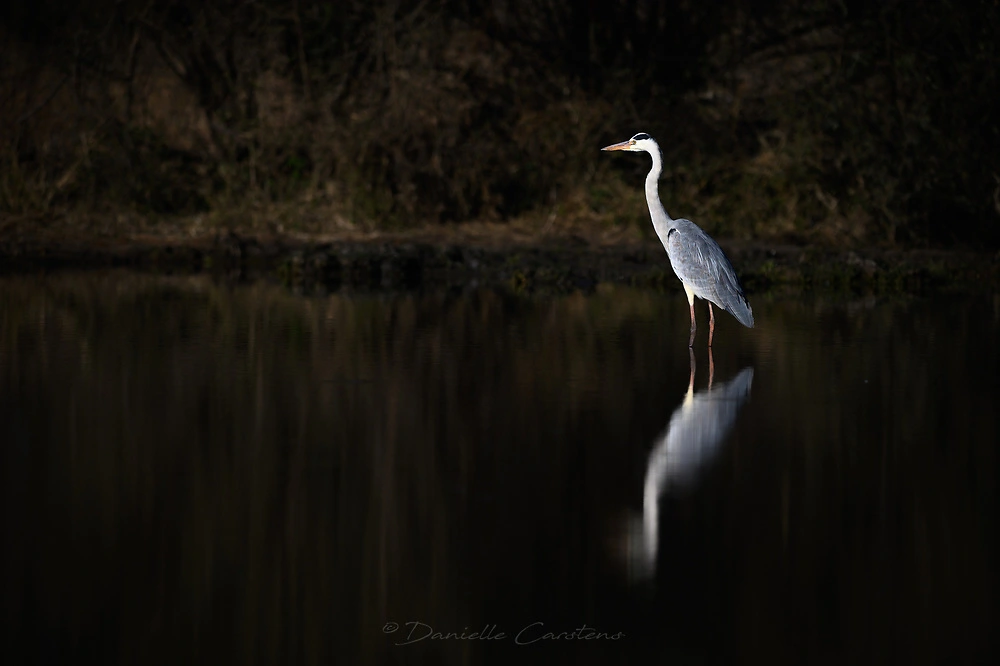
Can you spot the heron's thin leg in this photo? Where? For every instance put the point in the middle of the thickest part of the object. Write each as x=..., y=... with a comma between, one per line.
x=691, y=381
x=694, y=327
x=711, y=324
x=711, y=368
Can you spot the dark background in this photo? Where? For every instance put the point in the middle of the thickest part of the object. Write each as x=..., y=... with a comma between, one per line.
x=842, y=123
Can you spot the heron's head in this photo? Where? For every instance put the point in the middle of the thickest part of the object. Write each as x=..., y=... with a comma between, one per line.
x=641, y=142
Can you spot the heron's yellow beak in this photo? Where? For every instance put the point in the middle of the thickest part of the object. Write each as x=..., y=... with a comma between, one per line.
x=618, y=146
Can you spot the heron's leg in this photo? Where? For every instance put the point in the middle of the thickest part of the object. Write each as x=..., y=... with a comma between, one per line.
x=711, y=368
x=691, y=381
x=694, y=327
x=711, y=324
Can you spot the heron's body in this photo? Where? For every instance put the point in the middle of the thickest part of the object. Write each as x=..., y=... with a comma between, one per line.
x=696, y=258
x=704, y=270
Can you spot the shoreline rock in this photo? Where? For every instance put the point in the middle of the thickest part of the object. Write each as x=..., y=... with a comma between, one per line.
x=552, y=265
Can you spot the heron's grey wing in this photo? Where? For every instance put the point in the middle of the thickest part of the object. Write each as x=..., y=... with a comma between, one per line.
x=702, y=265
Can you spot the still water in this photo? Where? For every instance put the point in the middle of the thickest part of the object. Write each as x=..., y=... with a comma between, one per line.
x=197, y=472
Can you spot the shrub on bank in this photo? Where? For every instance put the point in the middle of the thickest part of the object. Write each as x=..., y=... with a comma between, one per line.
x=841, y=123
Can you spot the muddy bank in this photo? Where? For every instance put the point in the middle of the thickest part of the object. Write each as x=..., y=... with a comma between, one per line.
x=553, y=264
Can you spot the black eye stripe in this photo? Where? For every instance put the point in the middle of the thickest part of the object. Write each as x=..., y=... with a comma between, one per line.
x=640, y=137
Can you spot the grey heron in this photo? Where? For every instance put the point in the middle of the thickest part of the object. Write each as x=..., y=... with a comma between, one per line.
x=696, y=258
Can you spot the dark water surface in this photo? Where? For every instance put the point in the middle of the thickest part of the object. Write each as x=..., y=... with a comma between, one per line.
x=202, y=473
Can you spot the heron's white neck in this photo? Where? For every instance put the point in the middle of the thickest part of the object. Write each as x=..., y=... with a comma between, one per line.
x=661, y=221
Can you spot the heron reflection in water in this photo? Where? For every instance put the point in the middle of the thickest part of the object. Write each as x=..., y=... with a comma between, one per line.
x=690, y=441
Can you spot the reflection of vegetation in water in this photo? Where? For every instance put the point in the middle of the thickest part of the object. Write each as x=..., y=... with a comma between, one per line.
x=241, y=467
x=230, y=442
x=877, y=475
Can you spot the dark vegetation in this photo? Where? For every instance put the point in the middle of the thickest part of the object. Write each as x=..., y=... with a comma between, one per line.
x=842, y=123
